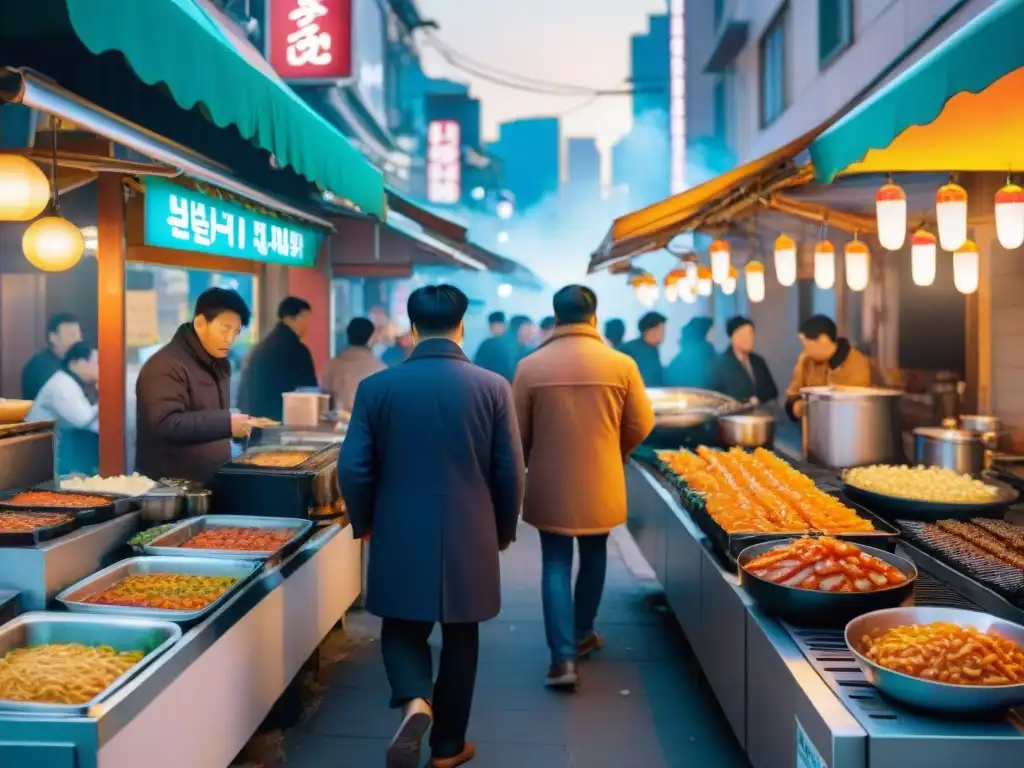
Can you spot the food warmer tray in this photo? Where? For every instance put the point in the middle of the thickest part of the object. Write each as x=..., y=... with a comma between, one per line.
x=74, y=596
x=38, y=535
x=169, y=542
x=312, y=454
x=898, y=508
x=122, y=634
x=85, y=515
x=814, y=608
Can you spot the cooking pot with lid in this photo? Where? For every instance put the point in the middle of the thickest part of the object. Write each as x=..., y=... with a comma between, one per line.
x=851, y=426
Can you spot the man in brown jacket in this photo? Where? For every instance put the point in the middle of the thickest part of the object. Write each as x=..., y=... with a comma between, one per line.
x=826, y=360
x=582, y=409
x=343, y=374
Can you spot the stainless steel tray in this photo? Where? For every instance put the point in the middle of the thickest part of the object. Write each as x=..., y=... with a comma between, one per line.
x=122, y=634
x=73, y=597
x=169, y=543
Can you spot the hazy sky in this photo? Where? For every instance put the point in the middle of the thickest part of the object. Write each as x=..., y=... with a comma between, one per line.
x=580, y=42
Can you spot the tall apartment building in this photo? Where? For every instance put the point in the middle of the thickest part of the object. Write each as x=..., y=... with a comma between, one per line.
x=529, y=150
x=583, y=165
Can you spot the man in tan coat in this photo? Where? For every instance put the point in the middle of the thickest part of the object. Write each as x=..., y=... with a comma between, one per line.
x=582, y=409
x=357, y=361
x=827, y=359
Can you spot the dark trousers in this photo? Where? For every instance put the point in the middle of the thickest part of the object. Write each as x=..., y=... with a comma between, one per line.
x=409, y=667
x=569, y=615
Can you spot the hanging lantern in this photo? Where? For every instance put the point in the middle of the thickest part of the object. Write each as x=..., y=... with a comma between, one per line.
x=53, y=244
x=754, y=273
x=922, y=257
x=965, y=267
x=825, y=265
x=24, y=190
x=858, y=265
x=728, y=285
x=719, y=252
x=785, y=260
x=688, y=291
x=891, y=212
x=951, y=214
x=672, y=283
x=704, y=281
x=1010, y=216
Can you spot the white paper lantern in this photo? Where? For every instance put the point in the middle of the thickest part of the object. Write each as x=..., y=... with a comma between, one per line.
x=922, y=257
x=704, y=282
x=951, y=215
x=825, y=265
x=858, y=265
x=754, y=274
x=785, y=260
x=891, y=212
x=1010, y=216
x=673, y=281
x=728, y=285
x=688, y=292
x=719, y=252
x=965, y=267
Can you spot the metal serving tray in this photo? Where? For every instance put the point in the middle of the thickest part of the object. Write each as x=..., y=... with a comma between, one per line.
x=312, y=452
x=169, y=543
x=85, y=515
x=37, y=535
x=74, y=596
x=902, y=508
x=122, y=634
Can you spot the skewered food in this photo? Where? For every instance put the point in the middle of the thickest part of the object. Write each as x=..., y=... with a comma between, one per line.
x=54, y=500
x=825, y=564
x=922, y=484
x=26, y=522
x=125, y=485
x=1011, y=535
x=248, y=539
x=62, y=673
x=948, y=653
x=982, y=539
x=167, y=591
x=761, y=493
x=275, y=459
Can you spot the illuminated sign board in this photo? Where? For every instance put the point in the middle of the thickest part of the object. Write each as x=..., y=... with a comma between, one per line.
x=310, y=40
x=189, y=220
x=444, y=162
x=677, y=94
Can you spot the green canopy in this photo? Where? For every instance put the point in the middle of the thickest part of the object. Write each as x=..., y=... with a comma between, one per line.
x=175, y=43
x=984, y=50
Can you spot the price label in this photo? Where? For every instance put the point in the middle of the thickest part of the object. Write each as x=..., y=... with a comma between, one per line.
x=807, y=755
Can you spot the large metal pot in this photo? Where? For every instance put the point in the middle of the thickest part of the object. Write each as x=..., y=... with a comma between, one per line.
x=957, y=449
x=851, y=426
x=746, y=430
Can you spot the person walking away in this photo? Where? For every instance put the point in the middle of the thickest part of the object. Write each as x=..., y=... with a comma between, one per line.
x=582, y=409
x=644, y=350
x=739, y=372
x=490, y=354
x=281, y=362
x=62, y=332
x=432, y=467
x=826, y=360
x=509, y=349
x=64, y=399
x=547, y=327
x=614, y=333
x=398, y=352
x=343, y=374
x=692, y=366
x=183, y=410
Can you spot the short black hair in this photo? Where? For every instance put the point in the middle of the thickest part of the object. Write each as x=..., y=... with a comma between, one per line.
x=213, y=302
x=818, y=325
x=517, y=322
x=547, y=323
x=735, y=323
x=359, y=331
x=574, y=304
x=61, y=318
x=615, y=330
x=78, y=351
x=292, y=306
x=651, y=320
x=496, y=317
x=436, y=309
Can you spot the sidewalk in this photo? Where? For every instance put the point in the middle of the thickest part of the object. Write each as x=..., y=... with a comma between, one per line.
x=641, y=703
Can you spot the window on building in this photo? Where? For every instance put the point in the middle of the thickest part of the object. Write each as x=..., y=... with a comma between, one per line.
x=835, y=28
x=719, y=97
x=773, y=68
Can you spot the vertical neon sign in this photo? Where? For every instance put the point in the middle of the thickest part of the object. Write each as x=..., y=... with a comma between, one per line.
x=677, y=91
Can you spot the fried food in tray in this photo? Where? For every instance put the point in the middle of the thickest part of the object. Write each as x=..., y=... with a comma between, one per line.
x=274, y=459
x=247, y=539
x=62, y=673
x=760, y=493
x=54, y=500
x=934, y=484
x=166, y=591
x=26, y=522
x=948, y=653
x=826, y=565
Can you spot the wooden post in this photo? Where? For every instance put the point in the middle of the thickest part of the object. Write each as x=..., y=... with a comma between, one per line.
x=111, y=286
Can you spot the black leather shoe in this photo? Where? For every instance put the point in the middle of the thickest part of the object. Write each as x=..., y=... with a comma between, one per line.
x=563, y=675
x=588, y=645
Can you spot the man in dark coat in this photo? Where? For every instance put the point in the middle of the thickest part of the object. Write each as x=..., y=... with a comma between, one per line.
x=432, y=465
x=502, y=354
x=280, y=363
x=739, y=372
x=62, y=332
x=184, y=422
x=644, y=350
x=692, y=366
x=615, y=332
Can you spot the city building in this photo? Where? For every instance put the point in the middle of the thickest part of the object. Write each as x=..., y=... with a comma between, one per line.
x=529, y=151
x=583, y=168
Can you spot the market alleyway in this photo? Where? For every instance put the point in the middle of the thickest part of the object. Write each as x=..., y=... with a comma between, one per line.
x=642, y=703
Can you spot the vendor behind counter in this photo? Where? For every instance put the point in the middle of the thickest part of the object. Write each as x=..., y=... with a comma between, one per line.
x=827, y=360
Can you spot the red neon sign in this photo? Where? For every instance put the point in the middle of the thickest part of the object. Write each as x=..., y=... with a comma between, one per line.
x=310, y=40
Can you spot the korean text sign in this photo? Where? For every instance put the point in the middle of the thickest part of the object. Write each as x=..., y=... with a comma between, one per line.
x=178, y=217
x=310, y=40
x=444, y=162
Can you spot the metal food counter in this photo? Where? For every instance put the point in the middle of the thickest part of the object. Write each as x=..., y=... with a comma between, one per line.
x=198, y=704
x=795, y=696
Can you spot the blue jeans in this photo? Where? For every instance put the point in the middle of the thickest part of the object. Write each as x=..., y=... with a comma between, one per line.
x=568, y=621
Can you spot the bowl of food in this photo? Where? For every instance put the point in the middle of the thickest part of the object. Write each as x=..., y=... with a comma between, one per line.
x=14, y=411
x=823, y=581
x=946, y=660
